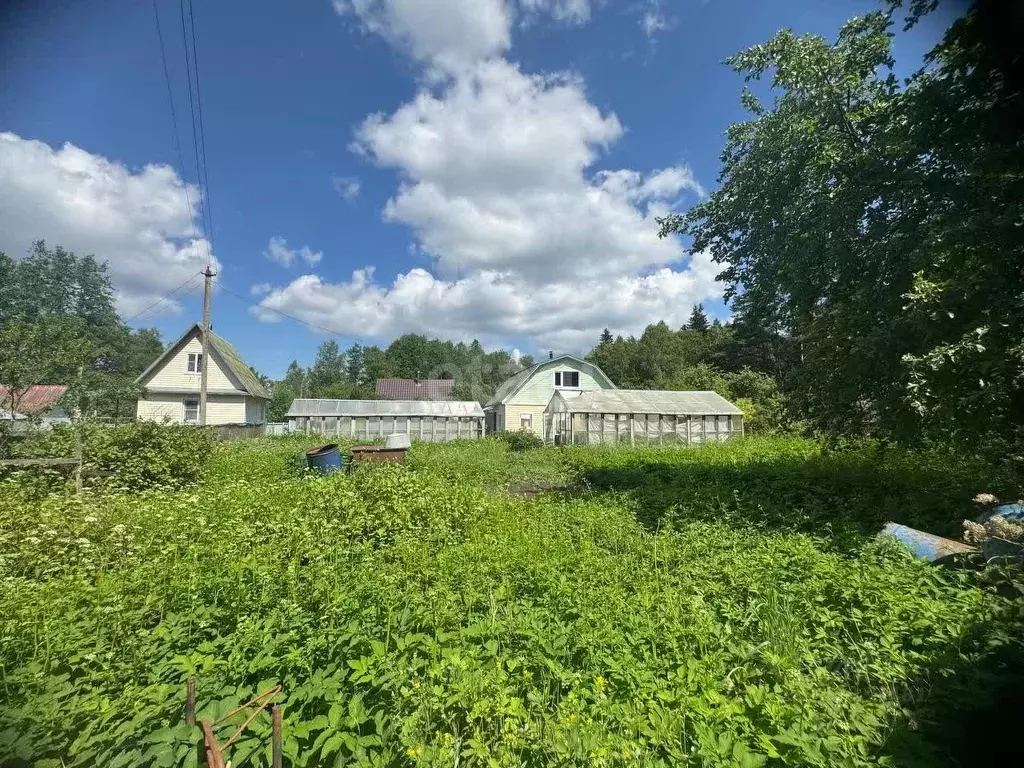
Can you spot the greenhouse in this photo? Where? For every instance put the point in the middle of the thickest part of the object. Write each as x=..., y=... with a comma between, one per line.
x=433, y=421
x=640, y=416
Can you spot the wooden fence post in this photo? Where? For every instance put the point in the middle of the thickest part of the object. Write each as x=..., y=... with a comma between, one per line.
x=78, y=458
x=275, y=715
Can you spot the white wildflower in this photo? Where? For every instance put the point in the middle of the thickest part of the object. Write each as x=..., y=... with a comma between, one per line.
x=974, y=533
x=91, y=519
x=985, y=498
x=995, y=527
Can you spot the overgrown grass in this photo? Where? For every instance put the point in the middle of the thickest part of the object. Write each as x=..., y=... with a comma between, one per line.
x=417, y=616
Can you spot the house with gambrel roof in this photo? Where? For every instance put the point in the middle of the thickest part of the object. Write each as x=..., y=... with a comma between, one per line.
x=520, y=402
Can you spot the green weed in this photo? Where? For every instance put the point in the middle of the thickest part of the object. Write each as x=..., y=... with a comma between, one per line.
x=415, y=617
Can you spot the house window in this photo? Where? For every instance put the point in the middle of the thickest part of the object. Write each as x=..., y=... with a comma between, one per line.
x=195, y=362
x=526, y=421
x=191, y=410
x=567, y=379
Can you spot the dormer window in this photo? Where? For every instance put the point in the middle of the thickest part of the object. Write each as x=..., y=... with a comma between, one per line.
x=567, y=379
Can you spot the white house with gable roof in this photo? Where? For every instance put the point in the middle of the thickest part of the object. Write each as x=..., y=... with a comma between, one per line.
x=235, y=394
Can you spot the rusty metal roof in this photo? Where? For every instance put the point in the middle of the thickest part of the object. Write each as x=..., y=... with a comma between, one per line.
x=38, y=398
x=416, y=389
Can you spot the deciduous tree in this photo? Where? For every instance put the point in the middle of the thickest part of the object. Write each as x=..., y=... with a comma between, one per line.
x=877, y=224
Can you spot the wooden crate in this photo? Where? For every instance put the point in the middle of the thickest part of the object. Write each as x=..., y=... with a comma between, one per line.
x=377, y=453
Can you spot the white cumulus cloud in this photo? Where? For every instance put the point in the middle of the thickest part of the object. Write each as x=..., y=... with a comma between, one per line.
x=140, y=221
x=653, y=19
x=279, y=252
x=494, y=175
x=653, y=22
x=570, y=11
x=346, y=186
x=499, y=180
x=493, y=307
x=450, y=35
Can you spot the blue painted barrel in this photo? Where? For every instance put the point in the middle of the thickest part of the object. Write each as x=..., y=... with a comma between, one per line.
x=324, y=459
x=926, y=545
x=1012, y=511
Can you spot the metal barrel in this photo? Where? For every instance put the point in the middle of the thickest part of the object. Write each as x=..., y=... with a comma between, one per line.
x=926, y=545
x=324, y=459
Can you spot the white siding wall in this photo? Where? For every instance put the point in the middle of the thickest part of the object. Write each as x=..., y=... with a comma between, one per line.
x=535, y=395
x=540, y=387
x=220, y=409
x=514, y=418
x=174, y=371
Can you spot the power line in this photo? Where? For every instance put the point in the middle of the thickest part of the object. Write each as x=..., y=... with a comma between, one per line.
x=291, y=317
x=195, y=135
x=174, y=119
x=163, y=298
x=208, y=200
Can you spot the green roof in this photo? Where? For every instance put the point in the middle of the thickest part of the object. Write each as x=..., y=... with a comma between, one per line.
x=238, y=366
x=510, y=386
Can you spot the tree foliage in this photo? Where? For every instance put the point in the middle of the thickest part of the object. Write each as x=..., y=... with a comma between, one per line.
x=698, y=319
x=878, y=225
x=59, y=325
x=715, y=359
x=44, y=352
x=353, y=372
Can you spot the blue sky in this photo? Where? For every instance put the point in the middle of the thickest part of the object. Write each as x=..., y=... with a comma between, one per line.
x=461, y=168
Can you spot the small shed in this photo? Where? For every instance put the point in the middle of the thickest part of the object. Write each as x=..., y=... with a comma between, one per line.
x=641, y=416
x=35, y=406
x=433, y=421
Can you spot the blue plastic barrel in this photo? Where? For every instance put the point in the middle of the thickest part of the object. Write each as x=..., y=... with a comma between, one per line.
x=926, y=545
x=1012, y=511
x=325, y=459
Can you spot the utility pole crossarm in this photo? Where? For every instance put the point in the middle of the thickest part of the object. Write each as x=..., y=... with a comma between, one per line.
x=208, y=273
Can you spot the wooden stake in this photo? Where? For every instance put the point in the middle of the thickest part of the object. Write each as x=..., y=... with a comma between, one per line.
x=275, y=714
x=190, y=701
x=78, y=457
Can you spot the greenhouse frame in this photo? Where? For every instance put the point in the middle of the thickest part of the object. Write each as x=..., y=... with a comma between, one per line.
x=428, y=420
x=640, y=417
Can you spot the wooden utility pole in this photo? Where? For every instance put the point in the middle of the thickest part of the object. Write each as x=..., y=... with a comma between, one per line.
x=208, y=273
x=78, y=434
